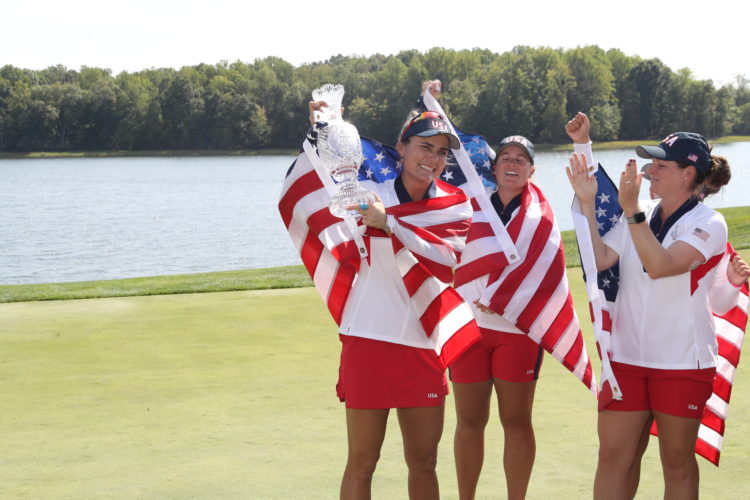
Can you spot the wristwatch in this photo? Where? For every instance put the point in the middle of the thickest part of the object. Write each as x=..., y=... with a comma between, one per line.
x=637, y=218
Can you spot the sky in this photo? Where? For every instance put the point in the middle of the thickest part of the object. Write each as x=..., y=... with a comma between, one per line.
x=709, y=38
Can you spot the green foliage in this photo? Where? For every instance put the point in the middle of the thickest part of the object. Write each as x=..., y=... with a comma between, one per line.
x=647, y=111
x=605, y=122
x=593, y=79
x=263, y=104
x=742, y=126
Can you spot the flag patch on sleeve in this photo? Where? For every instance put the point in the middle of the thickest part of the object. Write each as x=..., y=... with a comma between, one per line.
x=700, y=233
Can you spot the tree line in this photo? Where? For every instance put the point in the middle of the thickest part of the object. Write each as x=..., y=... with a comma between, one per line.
x=528, y=91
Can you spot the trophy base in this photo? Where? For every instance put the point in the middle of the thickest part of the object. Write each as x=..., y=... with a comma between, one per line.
x=341, y=201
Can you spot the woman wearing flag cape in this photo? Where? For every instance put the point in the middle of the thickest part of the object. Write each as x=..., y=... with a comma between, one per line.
x=506, y=360
x=663, y=344
x=400, y=321
x=512, y=271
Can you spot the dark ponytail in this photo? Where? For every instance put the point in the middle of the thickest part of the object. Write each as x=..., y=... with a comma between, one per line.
x=718, y=175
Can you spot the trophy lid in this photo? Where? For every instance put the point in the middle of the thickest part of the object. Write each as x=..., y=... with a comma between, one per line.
x=333, y=96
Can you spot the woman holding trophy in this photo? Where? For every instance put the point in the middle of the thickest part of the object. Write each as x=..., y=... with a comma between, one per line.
x=388, y=357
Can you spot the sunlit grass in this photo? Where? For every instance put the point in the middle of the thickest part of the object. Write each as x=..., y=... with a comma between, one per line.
x=231, y=396
x=224, y=281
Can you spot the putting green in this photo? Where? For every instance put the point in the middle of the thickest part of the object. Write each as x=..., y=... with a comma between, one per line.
x=231, y=395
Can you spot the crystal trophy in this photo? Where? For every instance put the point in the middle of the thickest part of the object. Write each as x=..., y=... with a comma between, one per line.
x=340, y=150
x=333, y=96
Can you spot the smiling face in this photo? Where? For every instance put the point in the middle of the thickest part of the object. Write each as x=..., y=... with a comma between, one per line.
x=513, y=168
x=424, y=160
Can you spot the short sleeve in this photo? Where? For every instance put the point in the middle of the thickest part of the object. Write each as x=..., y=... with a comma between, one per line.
x=708, y=235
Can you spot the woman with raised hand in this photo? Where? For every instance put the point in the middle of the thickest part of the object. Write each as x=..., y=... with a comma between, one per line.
x=388, y=359
x=663, y=343
x=731, y=275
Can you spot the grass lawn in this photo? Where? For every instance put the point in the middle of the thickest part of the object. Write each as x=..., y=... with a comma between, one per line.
x=222, y=281
x=231, y=395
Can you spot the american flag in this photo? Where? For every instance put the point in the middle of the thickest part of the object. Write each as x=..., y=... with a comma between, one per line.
x=700, y=233
x=333, y=249
x=730, y=333
x=601, y=292
x=730, y=326
x=525, y=264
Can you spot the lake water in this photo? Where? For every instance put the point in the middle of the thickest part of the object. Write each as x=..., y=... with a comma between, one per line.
x=107, y=218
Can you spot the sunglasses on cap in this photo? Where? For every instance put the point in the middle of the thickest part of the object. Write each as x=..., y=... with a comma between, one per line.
x=421, y=116
x=430, y=123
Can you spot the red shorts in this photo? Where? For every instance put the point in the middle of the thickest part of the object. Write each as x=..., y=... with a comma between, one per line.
x=505, y=356
x=377, y=374
x=681, y=393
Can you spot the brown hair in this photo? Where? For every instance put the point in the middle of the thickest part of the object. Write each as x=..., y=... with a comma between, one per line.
x=718, y=175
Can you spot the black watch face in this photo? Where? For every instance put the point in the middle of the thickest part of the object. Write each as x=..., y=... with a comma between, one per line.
x=637, y=218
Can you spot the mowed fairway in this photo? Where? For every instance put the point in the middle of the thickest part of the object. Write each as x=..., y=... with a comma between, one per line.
x=231, y=395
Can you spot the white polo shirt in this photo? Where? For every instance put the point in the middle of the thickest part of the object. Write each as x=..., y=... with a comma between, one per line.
x=379, y=306
x=664, y=323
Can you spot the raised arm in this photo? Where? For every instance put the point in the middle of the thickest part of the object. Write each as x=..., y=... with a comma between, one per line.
x=578, y=129
x=585, y=188
x=660, y=262
x=434, y=86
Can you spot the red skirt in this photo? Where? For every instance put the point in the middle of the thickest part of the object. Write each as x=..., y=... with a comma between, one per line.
x=376, y=374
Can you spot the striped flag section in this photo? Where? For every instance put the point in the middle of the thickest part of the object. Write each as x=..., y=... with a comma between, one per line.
x=425, y=243
x=426, y=228
x=327, y=250
x=730, y=334
x=532, y=294
x=524, y=261
x=601, y=287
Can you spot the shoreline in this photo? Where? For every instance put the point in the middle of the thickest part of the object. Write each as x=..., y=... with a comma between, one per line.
x=167, y=153
x=294, y=276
